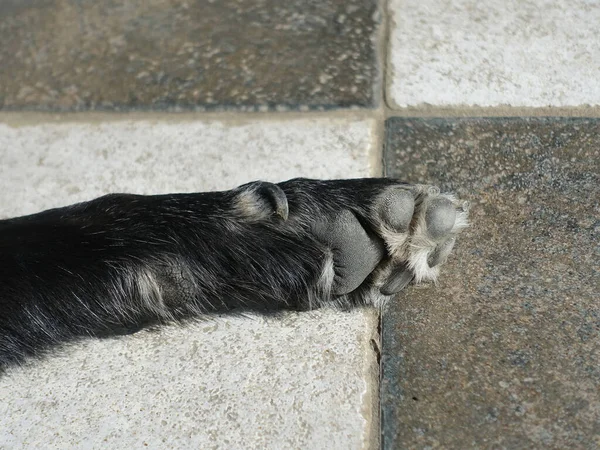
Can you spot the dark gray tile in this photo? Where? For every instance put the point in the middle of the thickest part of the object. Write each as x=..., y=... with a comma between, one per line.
x=182, y=54
x=505, y=351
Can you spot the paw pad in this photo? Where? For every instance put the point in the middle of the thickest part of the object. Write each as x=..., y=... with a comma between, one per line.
x=396, y=209
x=356, y=252
x=440, y=217
x=417, y=250
x=377, y=235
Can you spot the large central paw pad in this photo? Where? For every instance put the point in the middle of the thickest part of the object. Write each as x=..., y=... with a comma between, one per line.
x=356, y=251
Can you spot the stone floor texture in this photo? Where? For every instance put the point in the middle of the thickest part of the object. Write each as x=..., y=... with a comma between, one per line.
x=231, y=383
x=55, y=164
x=487, y=53
x=505, y=351
x=303, y=381
x=160, y=54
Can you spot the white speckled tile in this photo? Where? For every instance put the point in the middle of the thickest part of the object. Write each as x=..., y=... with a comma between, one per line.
x=302, y=381
x=530, y=53
x=51, y=165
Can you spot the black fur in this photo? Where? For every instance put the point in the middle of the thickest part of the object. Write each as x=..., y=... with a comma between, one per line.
x=121, y=261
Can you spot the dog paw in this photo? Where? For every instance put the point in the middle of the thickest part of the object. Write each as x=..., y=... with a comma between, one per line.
x=380, y=235
x=416, y=254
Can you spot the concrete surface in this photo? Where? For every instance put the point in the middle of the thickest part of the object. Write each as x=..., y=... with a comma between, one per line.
x=49, y=165
x=305, y=381
x=530, y=53
x=164, y=54
x=505, y=351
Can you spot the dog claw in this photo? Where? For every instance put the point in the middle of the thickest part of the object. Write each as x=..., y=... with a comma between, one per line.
x=440, y=253
x=398, y=280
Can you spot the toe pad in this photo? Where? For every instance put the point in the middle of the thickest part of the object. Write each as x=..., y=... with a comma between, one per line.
x=440, y=217
x=397, y=208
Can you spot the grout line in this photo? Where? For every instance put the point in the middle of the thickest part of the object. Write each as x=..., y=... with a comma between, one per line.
x=376, y=152
x=494, y=111
x=381, y=101
x=241, y=117
x=372, y=369
x=385, y=49
x=383, y=40
x=230, y=117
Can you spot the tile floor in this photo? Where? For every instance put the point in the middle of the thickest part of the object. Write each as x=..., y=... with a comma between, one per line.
x=503, y=353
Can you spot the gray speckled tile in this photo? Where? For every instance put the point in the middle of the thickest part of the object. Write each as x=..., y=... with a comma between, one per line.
x=159, y=54
x=505, y=351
